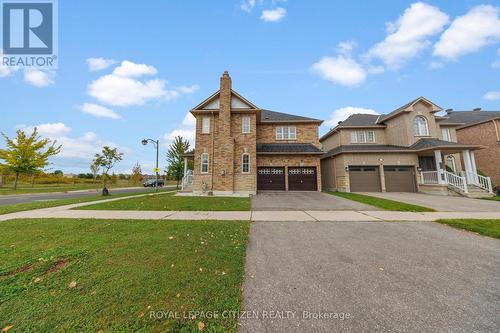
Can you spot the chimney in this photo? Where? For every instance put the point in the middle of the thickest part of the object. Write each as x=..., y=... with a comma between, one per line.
x=448, y=111
x=225, y=103
x=477, y=109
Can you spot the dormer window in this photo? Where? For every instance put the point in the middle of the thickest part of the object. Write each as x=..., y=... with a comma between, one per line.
x=420, y=126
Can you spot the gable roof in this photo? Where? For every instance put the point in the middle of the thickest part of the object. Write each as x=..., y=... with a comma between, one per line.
x=268, y=116
x=215, y=97
x=470, y=118
x=405, y=107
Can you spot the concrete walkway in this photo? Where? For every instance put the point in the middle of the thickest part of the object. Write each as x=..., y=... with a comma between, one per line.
x=278, y=216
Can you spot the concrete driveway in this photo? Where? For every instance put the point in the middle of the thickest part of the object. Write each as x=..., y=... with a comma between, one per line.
x=388, y=276
x=442, y=203
x=304, y=201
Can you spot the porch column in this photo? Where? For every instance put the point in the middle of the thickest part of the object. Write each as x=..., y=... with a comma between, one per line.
x=439, y=162
x=468, y=165
x=185, y=166
x=473, y=161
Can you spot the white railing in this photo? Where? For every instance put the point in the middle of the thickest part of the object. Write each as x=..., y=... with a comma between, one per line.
x=429, y=177
x=456, y=181
x=187, y=180
x=478, y=180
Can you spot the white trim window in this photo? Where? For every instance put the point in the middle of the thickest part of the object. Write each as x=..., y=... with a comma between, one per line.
x=245, y=163
x=445, y=134
x=362, y=137
x=245, y=125
x=450, y=163
x=286, y=133
x=204, y=163
x=420, y=126
x=205, y=125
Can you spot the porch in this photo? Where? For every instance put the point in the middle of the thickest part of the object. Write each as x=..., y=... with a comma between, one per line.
x=454, y=170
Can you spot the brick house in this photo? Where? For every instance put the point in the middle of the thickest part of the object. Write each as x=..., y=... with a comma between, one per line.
x=480, y=128
x=407, y=150
x=241, y=148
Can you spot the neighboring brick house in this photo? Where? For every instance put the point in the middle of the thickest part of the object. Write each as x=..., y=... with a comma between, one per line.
x=241, y=148
x=408, y=150
x=480, y=128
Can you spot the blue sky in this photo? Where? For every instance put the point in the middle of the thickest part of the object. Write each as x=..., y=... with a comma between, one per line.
x=130, y=70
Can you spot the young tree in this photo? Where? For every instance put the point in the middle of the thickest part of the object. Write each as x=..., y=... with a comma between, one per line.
x=27, y=154
x=136, y=173
x=107, y=160
x=94, y=168
x=175, y=159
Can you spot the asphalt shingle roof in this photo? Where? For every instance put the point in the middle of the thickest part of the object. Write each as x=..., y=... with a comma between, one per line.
x=270, y=116
x=362, y=148
x=470, y=117
x=293, y=148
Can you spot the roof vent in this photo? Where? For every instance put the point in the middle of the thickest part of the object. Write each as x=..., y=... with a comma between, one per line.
x=449, y=110
x=340, y=122
x=476, y=109
x=266, y=117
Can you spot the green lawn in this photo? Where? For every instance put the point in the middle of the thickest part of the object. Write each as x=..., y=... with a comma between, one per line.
x=73, y=275
x=484, y=227
x=59, y=202
x=385, y=204
x=171, y=202
x=495, y=198
x=48, y=188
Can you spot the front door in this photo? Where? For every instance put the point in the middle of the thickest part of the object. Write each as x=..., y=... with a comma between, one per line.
x=427, y=163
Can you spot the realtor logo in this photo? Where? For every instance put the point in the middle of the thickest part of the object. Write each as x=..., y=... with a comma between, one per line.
x=29, y=28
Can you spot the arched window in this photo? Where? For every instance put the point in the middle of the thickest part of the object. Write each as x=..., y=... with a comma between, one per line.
x=420, y=126
x=245, y=163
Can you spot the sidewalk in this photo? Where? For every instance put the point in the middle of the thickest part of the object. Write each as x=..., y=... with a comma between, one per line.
x=270, y=216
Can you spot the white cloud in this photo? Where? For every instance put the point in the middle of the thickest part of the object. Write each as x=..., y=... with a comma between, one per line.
x=409, y=35
x=186, y=130
x=80, y=148
x=131, y=69
x=6, y=70
x=247, y=5
x=341, y=69
x=468, y=33
x=97, y=64
x=343, y=113
x=99, y=111
x=124, y=91
x=346, y=47
x=123, y=88
x=273, y=15
x=38, y=78
x=492, y=96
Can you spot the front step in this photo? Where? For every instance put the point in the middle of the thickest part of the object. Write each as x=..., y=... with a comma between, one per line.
x=473, y=192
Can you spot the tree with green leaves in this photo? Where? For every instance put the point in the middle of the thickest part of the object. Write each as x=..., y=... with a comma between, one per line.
x=94, y=168
x=107, y=160
x=175, y=158
x=26, y=154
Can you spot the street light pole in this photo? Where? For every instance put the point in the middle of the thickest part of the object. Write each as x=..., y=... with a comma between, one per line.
x=156, y=143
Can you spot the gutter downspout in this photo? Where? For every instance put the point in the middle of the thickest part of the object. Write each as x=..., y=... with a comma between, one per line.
x=213, y=154
x=496, y=129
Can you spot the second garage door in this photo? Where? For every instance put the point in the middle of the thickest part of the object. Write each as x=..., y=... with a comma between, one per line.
x=400, y=179
x=302, y=179
x=364, y=179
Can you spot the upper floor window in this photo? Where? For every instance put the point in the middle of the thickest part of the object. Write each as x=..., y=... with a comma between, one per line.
x=204, y=163
x=245, y=125
x=205, y=125
x=245, y=163
x=420, y=126
x=362, y=137
x=445, y=133
x=286, y=133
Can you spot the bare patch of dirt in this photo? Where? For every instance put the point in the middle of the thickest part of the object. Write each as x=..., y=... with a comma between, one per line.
x=21, y=269
x=57, y=266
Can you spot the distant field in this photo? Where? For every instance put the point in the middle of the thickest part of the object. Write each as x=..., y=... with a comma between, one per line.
x=47, y=188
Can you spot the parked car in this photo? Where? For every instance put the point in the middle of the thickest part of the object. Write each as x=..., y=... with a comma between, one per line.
x=154, y=183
